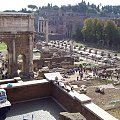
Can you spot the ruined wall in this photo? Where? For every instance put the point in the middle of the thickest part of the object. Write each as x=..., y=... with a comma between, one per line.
x=57, y=61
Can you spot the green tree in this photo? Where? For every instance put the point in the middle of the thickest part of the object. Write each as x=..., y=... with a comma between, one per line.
x=87, y=29
x=99, y=29
x=116, y=41
x=32, y=7
x=110, y=31
x=94, y=28
x=55, y=7
x=82, y=7
x=78, y=36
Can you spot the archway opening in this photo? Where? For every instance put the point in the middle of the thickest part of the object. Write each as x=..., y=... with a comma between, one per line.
x=21, y=61
x=36, y=54
x=3, y=61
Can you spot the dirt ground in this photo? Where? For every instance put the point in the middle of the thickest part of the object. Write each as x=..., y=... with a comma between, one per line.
x=105, y=101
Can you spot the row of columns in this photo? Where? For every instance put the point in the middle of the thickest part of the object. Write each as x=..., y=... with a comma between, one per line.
x=43, y=28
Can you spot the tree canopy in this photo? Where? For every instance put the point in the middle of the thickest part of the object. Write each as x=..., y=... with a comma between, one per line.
x=32, y=7
x=102, y=32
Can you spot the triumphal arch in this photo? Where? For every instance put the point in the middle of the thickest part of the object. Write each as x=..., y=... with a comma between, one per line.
x=17, y=32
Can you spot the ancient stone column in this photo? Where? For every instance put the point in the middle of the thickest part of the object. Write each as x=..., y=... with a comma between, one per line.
x=39, y=26
x=10, y=63
x=31, y=53
x=46, y=33
x=71, y=44
x=14, y=62
x=14, y=57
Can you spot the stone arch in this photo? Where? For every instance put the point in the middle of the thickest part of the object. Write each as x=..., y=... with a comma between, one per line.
x=9, y=50
x=17, y=31
x=3, y=60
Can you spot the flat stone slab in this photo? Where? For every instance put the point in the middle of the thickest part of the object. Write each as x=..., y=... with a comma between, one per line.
x=75, y=86
x=52, y=76
x=71, y=116
x=107, y=86
x=103, y=115
x=82, y=97
x=6, y=104
x=25, y=83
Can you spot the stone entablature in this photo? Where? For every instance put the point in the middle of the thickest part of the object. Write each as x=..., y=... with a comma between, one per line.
x=14, y=22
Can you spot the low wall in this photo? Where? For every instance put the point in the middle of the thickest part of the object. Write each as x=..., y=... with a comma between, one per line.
x=65, y=99
x=72, y=101
x=75, y=102
x=28, y=91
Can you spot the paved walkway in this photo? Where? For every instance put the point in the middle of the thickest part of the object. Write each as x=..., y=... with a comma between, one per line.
x=43, y=109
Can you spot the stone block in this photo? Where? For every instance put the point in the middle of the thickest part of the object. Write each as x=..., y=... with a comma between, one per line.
x=71, y=116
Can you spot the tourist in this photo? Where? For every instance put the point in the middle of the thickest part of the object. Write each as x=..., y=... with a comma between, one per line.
x=77, y=78
x=81, y=75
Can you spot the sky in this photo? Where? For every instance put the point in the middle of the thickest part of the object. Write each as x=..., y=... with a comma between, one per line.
x=19, y=4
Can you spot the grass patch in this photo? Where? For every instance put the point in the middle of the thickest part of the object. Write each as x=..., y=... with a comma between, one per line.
x=3, y=46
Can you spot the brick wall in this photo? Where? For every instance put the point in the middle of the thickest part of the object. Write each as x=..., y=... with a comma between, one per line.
x=46, y=89
x=74, y=105
x=27, y=92
x=66, y=100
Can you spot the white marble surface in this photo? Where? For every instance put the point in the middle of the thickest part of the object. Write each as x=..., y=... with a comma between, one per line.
x=6, y=104
x=51, y=76
x=99, y=111
x=25, y=83
x=82, y=97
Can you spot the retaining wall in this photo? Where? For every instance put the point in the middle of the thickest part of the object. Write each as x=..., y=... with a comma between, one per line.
x=71, y=101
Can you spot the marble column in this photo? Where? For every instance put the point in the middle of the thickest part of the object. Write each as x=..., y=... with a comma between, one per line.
x=71, y=44
x=46, y=33
x=14, y=57
x=31, y=53
x=39, y=24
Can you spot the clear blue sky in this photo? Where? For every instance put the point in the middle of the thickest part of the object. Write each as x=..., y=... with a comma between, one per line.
x=19, y=4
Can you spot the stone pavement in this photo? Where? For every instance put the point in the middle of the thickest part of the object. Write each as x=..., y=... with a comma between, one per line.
x=42, y=109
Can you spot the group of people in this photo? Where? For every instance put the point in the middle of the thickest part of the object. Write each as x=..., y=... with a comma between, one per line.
x=84, y=72
x=3, y=70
